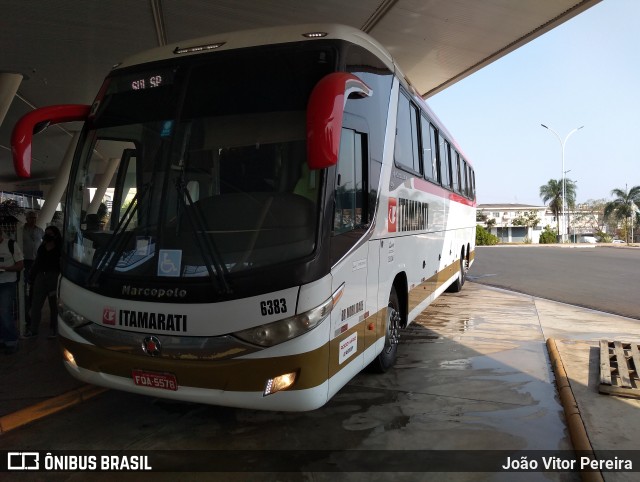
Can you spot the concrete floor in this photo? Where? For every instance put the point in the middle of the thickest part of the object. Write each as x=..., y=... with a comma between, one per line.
x=473, y=373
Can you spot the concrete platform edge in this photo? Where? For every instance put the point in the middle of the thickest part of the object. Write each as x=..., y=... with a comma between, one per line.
x=577, y=430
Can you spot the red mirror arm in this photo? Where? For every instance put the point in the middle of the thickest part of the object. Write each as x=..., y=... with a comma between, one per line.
x=23, y=131
x=324, y=116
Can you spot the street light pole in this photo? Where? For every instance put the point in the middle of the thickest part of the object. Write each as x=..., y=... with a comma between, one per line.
x=562, y=144
x=568, y=214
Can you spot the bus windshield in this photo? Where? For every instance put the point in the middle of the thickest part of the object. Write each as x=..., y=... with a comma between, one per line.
x=197, y=168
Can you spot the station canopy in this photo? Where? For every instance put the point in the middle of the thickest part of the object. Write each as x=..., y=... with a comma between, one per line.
x=64, y=49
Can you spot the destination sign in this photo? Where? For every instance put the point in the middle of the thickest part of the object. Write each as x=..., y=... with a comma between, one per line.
x=143, y=80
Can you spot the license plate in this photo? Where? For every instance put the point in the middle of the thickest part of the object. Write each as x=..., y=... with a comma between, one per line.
x=165, y=381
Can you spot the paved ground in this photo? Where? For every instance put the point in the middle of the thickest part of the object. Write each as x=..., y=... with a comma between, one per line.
x=604, y=278
x=473, y=373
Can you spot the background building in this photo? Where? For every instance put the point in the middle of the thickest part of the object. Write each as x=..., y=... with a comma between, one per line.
x=523, y=223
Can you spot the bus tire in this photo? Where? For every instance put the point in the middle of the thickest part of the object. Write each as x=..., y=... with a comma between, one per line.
x=387, y=357
x=457, y=285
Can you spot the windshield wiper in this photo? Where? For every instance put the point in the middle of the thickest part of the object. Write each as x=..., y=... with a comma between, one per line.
x=208, y=250
x=116, y=243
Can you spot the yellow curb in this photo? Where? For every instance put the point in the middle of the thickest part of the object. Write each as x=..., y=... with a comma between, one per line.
x=577, y=431
x=47, y=407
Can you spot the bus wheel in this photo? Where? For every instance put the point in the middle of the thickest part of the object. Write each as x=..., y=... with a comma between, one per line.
x=456, y=286
x=387, y=357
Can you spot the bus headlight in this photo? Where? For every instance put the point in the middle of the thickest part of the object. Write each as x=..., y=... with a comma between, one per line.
x=282, y=330
x=68, y=356
x=279, y=383
x=70, y=317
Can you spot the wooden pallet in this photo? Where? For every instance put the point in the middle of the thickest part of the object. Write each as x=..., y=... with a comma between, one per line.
x=619, y=365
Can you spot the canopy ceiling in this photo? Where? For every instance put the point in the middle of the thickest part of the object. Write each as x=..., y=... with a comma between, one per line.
x=65, y=48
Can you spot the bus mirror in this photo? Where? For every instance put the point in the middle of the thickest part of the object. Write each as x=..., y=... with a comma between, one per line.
x=36, y=121
x=324, y=116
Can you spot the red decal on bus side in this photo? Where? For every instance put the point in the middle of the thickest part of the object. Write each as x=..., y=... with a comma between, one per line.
x=392, y=218
x=429, y=187
x=109, y=316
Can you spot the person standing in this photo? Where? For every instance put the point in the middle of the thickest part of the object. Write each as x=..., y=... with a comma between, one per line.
x=31, y=239
x=11, y=263
x=44, y=279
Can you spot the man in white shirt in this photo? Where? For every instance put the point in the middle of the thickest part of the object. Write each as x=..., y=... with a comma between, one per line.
x=11, y=263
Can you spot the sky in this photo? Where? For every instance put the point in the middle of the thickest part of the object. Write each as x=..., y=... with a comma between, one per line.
x=586, y=72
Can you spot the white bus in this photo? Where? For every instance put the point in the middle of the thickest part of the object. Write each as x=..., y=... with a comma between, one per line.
x=284, y=204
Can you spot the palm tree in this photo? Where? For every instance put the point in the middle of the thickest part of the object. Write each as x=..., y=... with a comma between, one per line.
x=623, y=207
x=551, y=192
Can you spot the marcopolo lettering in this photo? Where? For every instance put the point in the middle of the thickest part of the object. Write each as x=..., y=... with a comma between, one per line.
x=157, y=293
x=153, y=321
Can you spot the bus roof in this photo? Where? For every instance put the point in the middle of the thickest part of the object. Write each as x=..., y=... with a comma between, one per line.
x=262, y=36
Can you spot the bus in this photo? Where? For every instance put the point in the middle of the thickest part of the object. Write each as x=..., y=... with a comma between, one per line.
x=282, y=205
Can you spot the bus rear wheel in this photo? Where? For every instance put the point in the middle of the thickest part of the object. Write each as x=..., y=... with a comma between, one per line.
x=456, y=286
x=387, y=357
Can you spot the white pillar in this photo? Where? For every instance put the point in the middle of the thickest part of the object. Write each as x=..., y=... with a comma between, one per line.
x=59, y=185
x=104, y=184
x=9, y=83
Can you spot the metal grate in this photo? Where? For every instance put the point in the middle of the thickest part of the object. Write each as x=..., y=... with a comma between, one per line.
x=619, y=363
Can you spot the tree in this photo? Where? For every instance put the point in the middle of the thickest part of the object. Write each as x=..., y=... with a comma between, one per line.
x=528, y=219
x=623, y=207
x=590, y=214
x=9, y=208
x=483, y=217
x=548, y=236
x=10, y=211
x=551, y=192
x=484, y=237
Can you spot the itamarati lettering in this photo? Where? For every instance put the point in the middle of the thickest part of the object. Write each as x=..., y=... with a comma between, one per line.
x=153, y=321
x=412, y=215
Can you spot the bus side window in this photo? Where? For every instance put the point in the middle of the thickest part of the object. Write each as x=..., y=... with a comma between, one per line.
x=407, y=153
x=467, y=178
x=445, y=163
x=455, y=164
x=433, y=136
x=428, y=152
x=349, y=200
x=464, y=173
x=473, y=184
